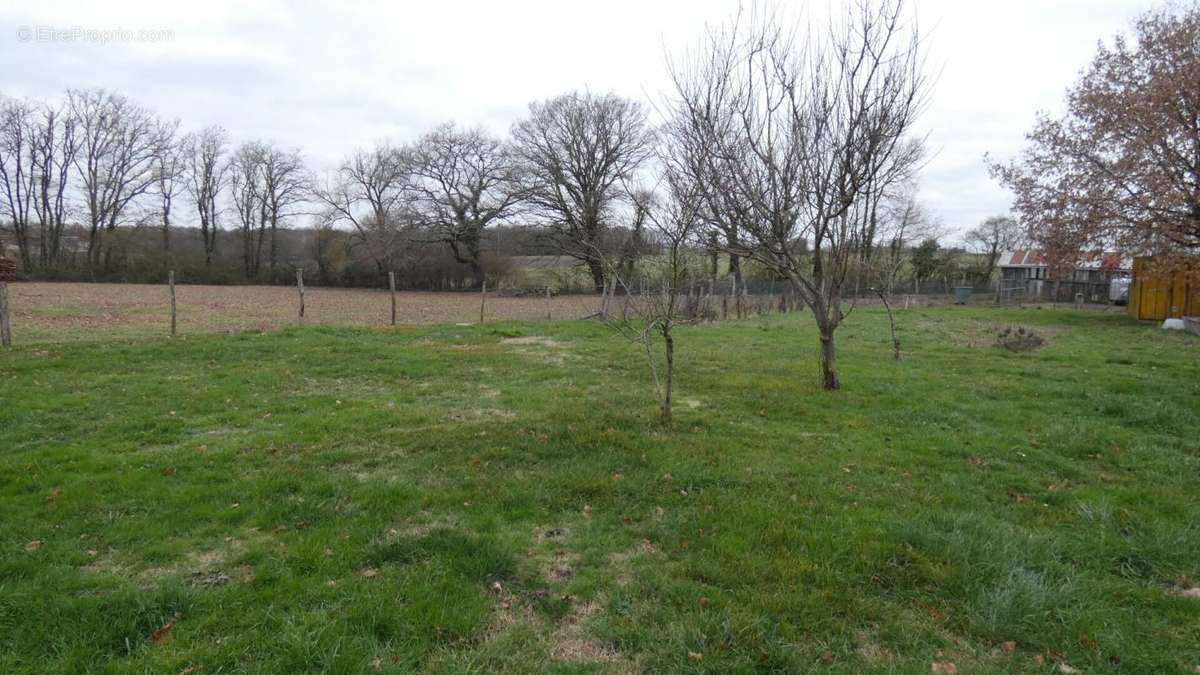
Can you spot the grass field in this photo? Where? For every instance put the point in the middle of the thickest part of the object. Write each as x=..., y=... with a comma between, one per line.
x=499, y=498
x=58, y=312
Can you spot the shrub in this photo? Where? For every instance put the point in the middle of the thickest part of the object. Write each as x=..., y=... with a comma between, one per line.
x=1019, y=339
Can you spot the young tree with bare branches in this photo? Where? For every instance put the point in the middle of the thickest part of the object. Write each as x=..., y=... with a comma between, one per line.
x=798, y=140
x=650, y=316
x=463, y=180
x=578, y=152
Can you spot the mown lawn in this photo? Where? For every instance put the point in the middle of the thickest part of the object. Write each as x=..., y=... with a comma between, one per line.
x=499, y=498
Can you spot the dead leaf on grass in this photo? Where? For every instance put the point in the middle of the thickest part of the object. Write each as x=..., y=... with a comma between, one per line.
x=162, y=633
x=944, y=668
x=33, y=545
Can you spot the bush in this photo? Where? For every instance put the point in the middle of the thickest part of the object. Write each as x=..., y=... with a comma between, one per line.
x=1019, y=339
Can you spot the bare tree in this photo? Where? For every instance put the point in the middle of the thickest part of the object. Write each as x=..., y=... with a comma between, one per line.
x=285, y=186
x=993, y=237
x=205, y=171
x=55, y=146
x=904, y=220
x=169, y=165
x=119, y=141
x=368, y=192
x=17, y=172
x=463, y=181
x=650, y=317
x=799, y=141
x=578, y=152
x=246, y=185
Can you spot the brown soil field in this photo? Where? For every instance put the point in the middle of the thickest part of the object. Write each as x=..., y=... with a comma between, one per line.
x=63, y=312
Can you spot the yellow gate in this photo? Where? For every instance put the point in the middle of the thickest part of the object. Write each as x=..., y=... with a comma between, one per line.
x=1154, y=297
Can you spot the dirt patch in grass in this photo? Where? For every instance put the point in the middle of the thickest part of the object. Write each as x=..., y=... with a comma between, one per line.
x=204, y=568
x=873, y=653
x=537, y=340
x=543, y=348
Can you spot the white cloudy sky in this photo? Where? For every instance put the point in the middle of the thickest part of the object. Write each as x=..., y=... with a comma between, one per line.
x=331, y=78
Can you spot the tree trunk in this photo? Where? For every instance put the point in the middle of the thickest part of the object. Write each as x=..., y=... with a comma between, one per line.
x=477, y=272
x=597, y=272
x=669, y=341
x=274, y=252
x=829, y=378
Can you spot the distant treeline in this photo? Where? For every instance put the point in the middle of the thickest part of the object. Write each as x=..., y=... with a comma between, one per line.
x=329, y=257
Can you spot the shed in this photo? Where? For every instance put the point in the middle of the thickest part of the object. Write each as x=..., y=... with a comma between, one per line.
x=1157, y=296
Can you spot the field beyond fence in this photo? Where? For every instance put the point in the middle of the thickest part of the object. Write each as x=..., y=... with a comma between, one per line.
x=44, y=312
x=58, y=312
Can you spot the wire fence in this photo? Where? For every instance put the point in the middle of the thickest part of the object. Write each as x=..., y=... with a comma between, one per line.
x=32, y=312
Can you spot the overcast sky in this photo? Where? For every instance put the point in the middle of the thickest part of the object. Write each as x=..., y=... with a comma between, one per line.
x=328, y=79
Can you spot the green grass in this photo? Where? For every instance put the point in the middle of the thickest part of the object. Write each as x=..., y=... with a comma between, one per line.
x=451, y=499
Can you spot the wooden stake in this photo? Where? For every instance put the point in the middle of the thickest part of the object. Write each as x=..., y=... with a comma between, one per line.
x=5, y=324
x=482, y=300
x=171, y=285
x=392, y=289
x=300, y=286
x=547, y=303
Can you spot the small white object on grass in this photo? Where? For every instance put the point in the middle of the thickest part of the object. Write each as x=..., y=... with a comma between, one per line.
x=1173, y=324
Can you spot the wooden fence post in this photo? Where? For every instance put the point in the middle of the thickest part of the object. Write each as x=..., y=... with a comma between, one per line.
x=548, y=303
x=482, y=300
x=300, y=286
x=5, y=324
x=392, y=289
x=171, y=285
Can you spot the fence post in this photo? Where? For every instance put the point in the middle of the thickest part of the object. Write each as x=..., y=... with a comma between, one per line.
x=5, y=324
x=482, y=300
x=171, y=285
x=392, y=289
x=547, y=303
x=300, y=286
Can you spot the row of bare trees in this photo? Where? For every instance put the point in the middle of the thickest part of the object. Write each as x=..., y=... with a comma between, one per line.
x=568, y=166
x=105, y=161
x=102, y=160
